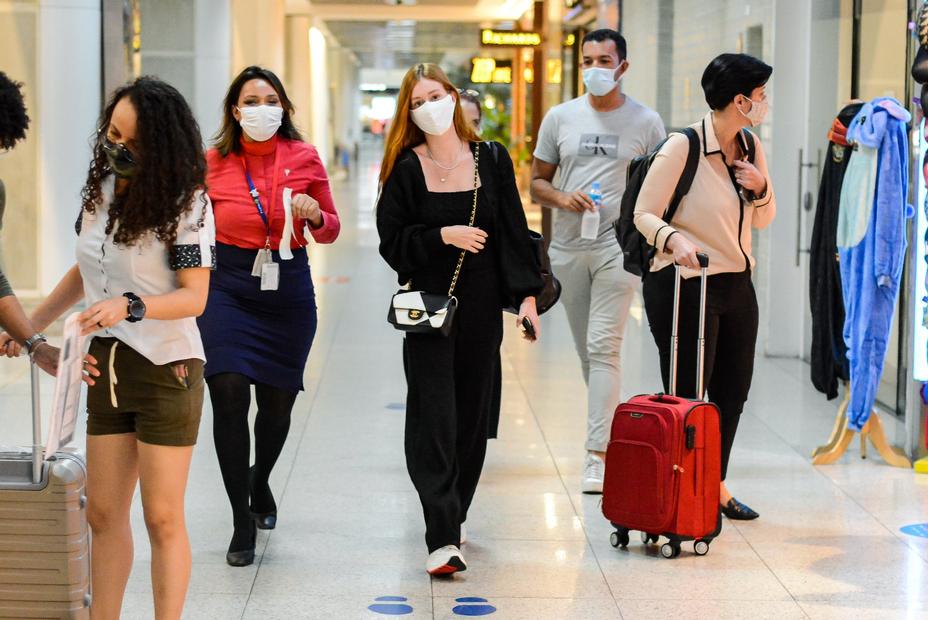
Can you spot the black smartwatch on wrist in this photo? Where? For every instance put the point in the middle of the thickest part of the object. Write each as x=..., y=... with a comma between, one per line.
x=136, y=307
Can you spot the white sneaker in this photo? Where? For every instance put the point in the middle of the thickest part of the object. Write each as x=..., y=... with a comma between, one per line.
x=463, y=534
x=593, y=472
x=445, y=561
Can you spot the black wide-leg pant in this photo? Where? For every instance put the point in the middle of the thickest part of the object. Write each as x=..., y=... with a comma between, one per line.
x=450, y=394
x=731, y=335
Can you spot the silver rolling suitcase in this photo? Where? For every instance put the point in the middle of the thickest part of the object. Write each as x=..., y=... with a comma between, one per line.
x=44, y=538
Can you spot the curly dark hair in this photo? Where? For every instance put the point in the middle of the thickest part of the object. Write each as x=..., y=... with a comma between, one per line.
x=13, y=118
x=170, y=159
x=229, y=138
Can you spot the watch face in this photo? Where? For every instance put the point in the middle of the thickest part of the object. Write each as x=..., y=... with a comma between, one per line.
x=137, y=309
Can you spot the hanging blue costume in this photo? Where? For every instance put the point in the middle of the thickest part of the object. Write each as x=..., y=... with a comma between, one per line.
x=871, y=270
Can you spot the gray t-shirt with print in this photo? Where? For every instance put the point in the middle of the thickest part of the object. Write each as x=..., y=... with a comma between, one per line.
x=588, y=146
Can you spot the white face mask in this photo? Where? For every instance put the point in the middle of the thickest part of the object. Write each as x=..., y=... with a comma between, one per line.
x=599, y=81
x=261, y=122
x=434, y=117
x=757, y=113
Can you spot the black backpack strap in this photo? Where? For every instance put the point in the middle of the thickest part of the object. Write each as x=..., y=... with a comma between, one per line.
x=747, y=143
x=689, y=173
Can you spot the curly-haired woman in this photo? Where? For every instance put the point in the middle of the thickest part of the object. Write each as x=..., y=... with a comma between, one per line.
x=260, y=321
x=144, y=253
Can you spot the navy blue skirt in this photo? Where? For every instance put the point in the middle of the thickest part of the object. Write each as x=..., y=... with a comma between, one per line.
x=264, y=335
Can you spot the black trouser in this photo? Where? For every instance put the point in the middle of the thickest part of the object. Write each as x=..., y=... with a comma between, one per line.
x=731, y=334
x=451, y=386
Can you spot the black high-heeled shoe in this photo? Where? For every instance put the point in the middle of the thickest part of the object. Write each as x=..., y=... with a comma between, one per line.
x=736, y=511
x=264, y=520
x=236, y=555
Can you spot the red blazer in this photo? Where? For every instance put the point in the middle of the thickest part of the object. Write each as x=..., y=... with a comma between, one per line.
x=298, y=167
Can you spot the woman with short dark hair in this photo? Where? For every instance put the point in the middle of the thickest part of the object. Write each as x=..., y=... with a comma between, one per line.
x=271, y=196
x=731, y=193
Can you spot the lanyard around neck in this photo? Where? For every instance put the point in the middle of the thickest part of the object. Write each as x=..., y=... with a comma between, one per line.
x=256, y=197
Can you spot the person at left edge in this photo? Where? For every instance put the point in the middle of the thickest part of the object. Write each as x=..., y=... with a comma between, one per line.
x=14, y=121
x=260, y=320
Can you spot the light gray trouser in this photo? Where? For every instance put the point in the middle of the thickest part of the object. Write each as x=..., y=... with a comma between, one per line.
x=597, y=295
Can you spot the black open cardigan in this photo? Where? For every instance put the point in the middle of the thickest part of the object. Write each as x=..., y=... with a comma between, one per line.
x=409, y=247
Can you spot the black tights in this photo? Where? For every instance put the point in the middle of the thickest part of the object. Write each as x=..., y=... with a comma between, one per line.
x=230, y=394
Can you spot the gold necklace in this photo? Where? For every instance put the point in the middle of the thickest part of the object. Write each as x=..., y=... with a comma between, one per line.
x=445, y=168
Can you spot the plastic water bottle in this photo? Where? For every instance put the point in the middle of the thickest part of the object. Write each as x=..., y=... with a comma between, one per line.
x=589, y=225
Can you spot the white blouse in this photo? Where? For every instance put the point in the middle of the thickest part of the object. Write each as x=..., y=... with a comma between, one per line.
x=146, y=268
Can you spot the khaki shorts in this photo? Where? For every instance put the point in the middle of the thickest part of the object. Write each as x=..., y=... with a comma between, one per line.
x=132, y=395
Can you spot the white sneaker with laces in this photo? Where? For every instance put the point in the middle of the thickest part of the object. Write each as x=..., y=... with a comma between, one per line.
x=593, y=473
x=445, y=561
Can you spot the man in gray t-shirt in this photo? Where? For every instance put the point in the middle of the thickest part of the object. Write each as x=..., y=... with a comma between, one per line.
x=592, y=139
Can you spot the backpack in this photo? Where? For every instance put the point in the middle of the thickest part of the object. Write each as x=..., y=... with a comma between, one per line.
x=637, y=253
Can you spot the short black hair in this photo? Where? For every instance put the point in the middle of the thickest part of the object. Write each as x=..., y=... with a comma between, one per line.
x=730, y=75
x=607, y=34
x=13, y=118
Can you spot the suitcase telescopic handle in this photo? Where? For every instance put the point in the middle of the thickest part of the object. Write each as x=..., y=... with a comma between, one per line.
x=36, y=424
x=675, y=330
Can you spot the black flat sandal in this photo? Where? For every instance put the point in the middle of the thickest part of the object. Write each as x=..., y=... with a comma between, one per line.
x=736, y=511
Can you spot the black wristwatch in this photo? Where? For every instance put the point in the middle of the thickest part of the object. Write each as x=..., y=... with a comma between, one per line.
x=136, y=307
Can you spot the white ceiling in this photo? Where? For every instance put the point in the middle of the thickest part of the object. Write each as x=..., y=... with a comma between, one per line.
x=401, y=44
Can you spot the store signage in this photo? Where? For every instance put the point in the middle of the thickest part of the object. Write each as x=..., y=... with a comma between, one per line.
x=510, y=38
x=920, y=298
x=490, y=71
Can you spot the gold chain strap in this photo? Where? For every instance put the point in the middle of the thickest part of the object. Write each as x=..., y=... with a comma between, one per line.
x=473, y=218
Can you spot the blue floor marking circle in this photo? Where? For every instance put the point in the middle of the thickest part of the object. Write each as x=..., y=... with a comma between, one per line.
x=470, y=599
x=474, y=610
x=391, y=609
x=916, y=529
x=391, y=606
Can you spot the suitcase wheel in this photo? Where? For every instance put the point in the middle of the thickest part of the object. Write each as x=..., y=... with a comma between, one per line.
x=670, y=550
x=647, y=539
x=701, y=547
x=619, y=538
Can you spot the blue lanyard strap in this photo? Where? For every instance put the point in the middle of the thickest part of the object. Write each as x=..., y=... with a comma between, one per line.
x=257, y=200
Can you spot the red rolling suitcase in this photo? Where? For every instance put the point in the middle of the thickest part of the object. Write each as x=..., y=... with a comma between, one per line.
x=663, y=463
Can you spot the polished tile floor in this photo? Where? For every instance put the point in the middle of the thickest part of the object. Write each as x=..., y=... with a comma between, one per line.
x=828, y=543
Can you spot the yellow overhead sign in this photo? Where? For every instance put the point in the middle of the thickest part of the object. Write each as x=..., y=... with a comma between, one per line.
x=482, y=72
x=490, y=71
x=509, y=38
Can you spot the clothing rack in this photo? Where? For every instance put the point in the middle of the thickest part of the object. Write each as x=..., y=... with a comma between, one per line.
x=842, y=436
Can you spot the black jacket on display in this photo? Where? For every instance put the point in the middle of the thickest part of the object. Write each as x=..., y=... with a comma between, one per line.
x=829, y=353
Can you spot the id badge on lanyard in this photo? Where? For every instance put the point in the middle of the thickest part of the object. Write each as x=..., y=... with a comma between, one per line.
x=264, y=266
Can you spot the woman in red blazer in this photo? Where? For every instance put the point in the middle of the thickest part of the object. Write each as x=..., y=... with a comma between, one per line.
x=270, y=195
